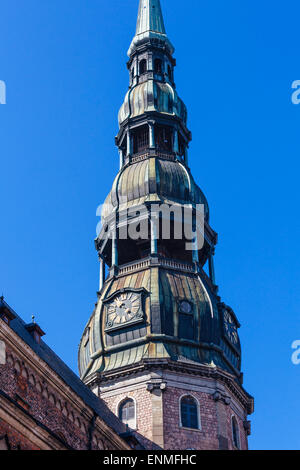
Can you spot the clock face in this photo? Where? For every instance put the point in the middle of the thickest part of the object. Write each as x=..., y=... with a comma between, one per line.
x=124, y=308
x=230, y=327
x=185, y=307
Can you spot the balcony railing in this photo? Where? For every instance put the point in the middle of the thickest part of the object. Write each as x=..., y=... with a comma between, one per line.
x=162, y=262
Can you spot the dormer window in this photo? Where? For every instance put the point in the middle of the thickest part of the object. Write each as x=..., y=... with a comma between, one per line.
x=5, y=313
x=35, y=331
x=143, y=66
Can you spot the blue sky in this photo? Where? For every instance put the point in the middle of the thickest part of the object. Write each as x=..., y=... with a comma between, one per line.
x=64, y=64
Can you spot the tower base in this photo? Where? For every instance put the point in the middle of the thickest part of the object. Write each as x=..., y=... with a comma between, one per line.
x=157, y=389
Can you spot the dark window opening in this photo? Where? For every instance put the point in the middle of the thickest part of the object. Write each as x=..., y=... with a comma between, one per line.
x=141, y=139
x=170, y=72
x=235, y=433
x=158, y=66
x=127, y=413
x=4, y=443
x=186, y=326
x=181, y=145
x=189, y=413
x=164, y=138
x=143, y=66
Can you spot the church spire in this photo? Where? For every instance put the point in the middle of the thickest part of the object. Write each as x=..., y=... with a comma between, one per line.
x=150, y=17
x=150, y=26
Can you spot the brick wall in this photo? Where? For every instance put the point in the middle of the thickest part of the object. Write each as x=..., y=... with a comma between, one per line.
x=144, y=414
x=46, y=405
x=174, y=436
x=16, y=440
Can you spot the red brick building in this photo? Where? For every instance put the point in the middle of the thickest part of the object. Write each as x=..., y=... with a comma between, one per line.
x=43, y=404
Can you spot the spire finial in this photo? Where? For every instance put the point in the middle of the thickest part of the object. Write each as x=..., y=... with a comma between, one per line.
x=150, y=26
x=33, y=318
x=150, y=17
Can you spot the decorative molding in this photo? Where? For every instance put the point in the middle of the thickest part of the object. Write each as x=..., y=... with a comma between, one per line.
x=199, y=370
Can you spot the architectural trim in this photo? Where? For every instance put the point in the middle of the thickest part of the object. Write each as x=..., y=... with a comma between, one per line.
x=33, y=430
x=46, y=374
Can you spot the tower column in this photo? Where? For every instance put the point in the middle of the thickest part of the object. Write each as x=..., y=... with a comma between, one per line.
x=212, y=266
x=102, y=273
x=153, y=224
x=151, y=135
x=129, y=142
x=114, y=253
x=121, y=158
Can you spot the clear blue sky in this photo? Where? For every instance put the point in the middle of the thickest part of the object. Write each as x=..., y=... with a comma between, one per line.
x=64, y=64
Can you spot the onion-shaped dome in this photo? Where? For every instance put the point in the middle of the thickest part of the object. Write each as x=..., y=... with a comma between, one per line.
x=98, y=351
x=152, y=96
x=152, y=180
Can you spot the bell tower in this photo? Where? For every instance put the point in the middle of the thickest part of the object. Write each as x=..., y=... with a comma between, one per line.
x=161, y=348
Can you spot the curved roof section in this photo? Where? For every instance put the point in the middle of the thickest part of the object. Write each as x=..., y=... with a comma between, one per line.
x=153, y=179
x=172, y=285
x=152, y=96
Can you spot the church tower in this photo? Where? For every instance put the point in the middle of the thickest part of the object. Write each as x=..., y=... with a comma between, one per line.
x=161, y=348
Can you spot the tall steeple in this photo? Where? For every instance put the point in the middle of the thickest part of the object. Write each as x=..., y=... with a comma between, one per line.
x=161, y=348
x=150, y=25
x=150, y=17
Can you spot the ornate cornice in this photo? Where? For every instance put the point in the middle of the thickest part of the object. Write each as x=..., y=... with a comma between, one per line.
x=207, y=371
x=47, y=375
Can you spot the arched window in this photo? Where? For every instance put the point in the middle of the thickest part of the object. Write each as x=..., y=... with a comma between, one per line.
x=235, y=433
x=158, y=66
x=4, y=443
x=170, y=72
x=189, y=413
x=127, y=413
x=143, y=66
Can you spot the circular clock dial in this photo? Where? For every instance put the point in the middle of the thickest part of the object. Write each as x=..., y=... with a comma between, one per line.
x=124, y=308
x=230, y=328
x=185, y=307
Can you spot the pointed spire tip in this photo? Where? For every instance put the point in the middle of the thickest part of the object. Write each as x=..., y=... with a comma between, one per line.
x=150, y=17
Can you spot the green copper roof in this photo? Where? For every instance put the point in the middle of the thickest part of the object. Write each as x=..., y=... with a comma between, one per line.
x=150, y=17
x=150, y=26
